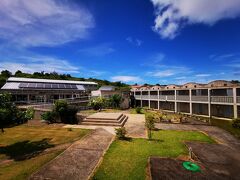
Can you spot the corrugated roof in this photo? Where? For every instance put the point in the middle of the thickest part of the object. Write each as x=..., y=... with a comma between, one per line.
x=81, y=87
x=107, y=88
x=16, y=79
x=11, y=85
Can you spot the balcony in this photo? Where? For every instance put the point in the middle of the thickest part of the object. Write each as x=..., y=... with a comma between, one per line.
x=200, y=98
x=183, y=98
x=238, y=99
x=145, y=97
x=137, y=96
x=167, y=98
x=154, y=97
x=222, y=99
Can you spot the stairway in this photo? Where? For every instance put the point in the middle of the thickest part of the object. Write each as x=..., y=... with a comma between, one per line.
x=105, y=119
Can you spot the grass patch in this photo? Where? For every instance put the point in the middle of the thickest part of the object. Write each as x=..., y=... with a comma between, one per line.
x=226, y=125
x=128, y=159
x=22, y=148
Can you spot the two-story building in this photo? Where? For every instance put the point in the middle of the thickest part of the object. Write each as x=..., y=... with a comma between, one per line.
x=218, y=98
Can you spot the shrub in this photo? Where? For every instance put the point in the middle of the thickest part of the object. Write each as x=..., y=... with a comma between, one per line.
x=60, y=106
x=49, y=116
x=138, y=110
x=236, y=123
x=29, y=113
x=149, y=124
x=97, y=103
x=121, y=132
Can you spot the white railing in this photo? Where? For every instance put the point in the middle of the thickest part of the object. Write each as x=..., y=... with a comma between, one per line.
x=238, y=99
x=145, y=96
x=137, y=96
x=200, y=98
x=153, y=96
x=167, y=98
x=183, y=98
x=224, y=99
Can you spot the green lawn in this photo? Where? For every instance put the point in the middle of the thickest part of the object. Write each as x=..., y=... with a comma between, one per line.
x=128, y=159
x=24, y=149
x=227, y=125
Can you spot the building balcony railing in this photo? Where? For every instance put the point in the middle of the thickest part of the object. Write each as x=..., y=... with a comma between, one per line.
x=137, y=96
x=145, y=97
x=183, y=98
x=223, y=99
x=238, y=99
x=200, y=98
x=153, y=96
x=167, y=98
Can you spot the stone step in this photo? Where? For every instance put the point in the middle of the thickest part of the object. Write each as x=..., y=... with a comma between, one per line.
x=100, y=123
x=105, y=120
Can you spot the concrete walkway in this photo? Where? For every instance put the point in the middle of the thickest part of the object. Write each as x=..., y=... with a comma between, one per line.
x=79, y=160
x=220, y=135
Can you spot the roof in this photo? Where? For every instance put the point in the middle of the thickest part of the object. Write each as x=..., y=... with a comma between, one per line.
x=16, y=79
x=107, y=88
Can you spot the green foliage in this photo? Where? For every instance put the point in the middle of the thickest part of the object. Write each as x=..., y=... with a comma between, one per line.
x=149, y=124
x=66, y=113
x=29, y=113
x=121, y=132
x=138, y=110
x=97, y=103
x=115, y=100
x=49, y=116
x=236, y=123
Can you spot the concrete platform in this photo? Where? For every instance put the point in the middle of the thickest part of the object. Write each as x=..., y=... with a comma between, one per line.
x=105, y=116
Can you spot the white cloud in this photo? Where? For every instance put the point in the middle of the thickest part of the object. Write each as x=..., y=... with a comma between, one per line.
x=135, y=42
x=43, y=22
x=126, y=78
x=172, y=15
x=39, y=63
x=203, y=75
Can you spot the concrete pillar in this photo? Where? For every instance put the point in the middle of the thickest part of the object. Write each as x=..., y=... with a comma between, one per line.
x=235, y=113
x=141, y=98
x=158, y=100
x=175, y=101
x=209, y=102
x=28, y=98
x=190, y=100
x=149, y=106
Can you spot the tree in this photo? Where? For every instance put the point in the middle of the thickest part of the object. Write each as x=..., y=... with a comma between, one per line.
x=115, y=100
x=6, y=73
x=149, y=124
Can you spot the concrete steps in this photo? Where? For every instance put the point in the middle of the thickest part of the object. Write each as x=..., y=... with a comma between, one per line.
x=108, y=120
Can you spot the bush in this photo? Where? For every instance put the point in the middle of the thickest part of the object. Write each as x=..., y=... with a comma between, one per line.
x=121, y=132
x=138, y=110
x=29, y=113
x=236, y=123
x=149, y=124
x=49, y=116
x=97, y=103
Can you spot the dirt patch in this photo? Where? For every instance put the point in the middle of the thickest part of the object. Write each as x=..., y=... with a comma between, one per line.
x=219, y=158
x=168, y=168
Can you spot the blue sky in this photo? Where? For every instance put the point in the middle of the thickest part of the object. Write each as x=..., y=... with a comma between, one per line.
x=134, y=41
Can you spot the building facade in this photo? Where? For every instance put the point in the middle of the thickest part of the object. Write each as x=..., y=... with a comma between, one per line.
x=29, y=90
x=218, y=98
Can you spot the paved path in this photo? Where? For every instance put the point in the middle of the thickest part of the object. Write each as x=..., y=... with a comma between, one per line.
x=79, y=160
x=220, y=135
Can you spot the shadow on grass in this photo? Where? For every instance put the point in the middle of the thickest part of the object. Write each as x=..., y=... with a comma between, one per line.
x=156, y=140
x=126, y=139
x=25, y=149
